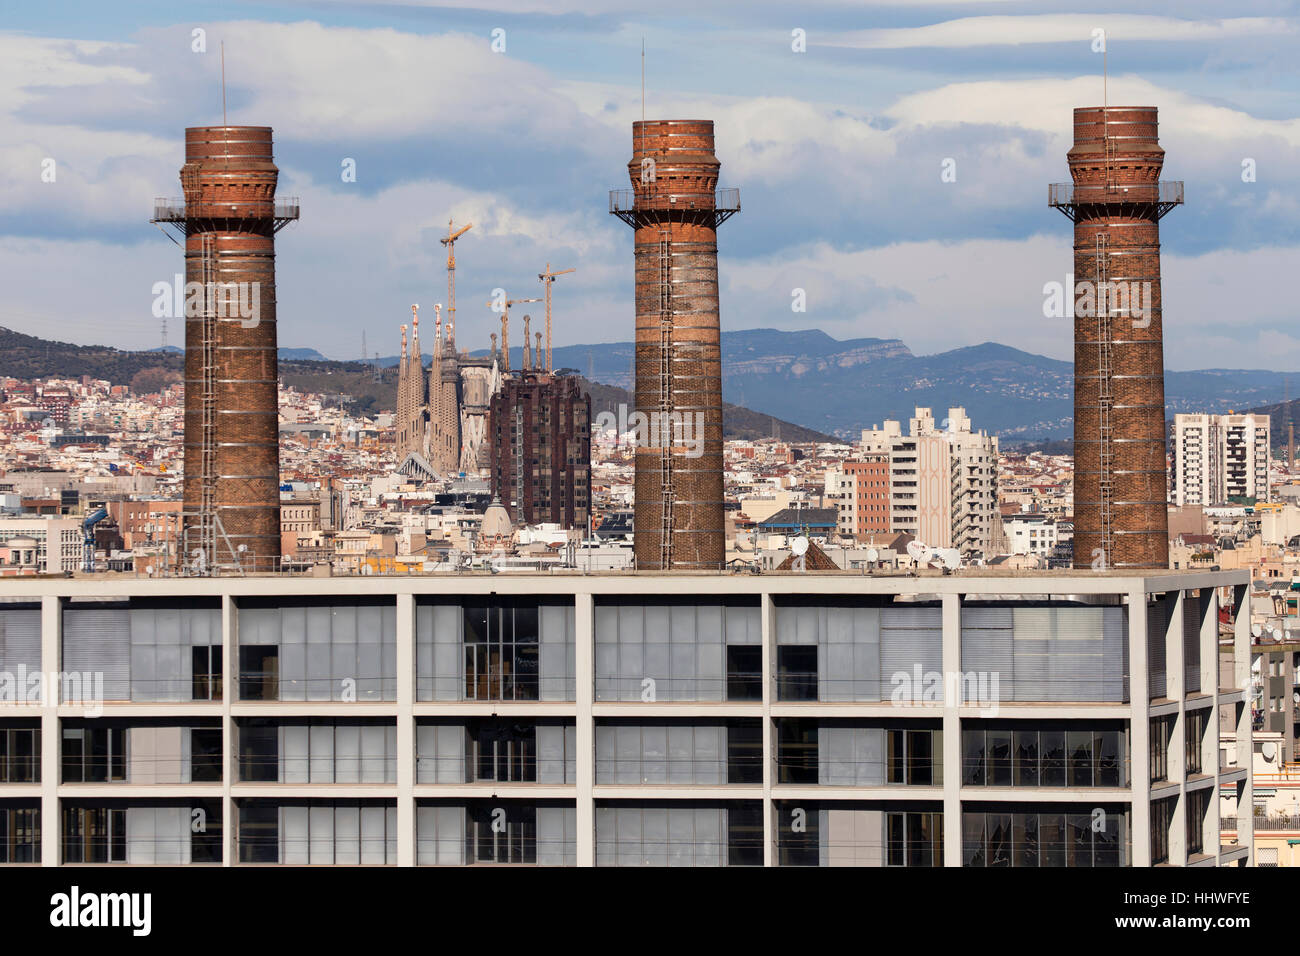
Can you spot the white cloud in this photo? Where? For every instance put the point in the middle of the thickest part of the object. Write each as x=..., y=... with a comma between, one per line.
x=1054, y=28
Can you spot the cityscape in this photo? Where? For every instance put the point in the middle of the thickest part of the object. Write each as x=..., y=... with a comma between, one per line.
x=305, y=562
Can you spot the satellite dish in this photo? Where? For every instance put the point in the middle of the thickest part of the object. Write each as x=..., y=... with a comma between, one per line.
x=873, y=555
x=951, y=558
x=1257, y=630
x=1268, y=750
x=915, y=549
x=799, y=546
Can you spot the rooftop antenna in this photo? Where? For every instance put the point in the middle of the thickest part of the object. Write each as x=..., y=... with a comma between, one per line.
x=643, y=79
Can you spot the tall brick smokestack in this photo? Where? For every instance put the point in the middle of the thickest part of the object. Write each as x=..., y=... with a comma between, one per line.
x=675, y=208
x=1116, y=201
x=229, y=218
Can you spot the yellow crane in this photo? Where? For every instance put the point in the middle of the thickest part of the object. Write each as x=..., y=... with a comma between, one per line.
x=505, y=328
x=547, y=279
x=449, y=241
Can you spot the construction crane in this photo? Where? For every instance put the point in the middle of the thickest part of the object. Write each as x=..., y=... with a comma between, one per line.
x=547, y=279
x=449, y=241
x=505, y=328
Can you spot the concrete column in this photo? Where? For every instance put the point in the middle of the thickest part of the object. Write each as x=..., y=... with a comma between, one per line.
x=1208, y=636
x=1176, y=689
x=585, y=764
x=1139, y=729
x=406, y=835
x=229, y=735
x=771, y=826
x=1245, y=733
x=952, y=830
x=51, y=642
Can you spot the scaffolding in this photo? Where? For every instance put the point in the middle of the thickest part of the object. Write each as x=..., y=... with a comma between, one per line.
x=207, y=477
x=665, y=398
x=1105, y=396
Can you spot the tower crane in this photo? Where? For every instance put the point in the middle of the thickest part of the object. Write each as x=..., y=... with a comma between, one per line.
x=547, y=279
x=449, y=241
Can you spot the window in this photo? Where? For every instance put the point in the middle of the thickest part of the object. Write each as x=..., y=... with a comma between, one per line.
x=1162, y=729
x=1195, y=734
x=1198, y=801
x=1162, y=815
x=20, y=755
x=259, y=672
x=20, y=834
x=94, y=754
x=913, y=839
x=744, y=672
x=205, y=755
x=914, y=757
x=1049, y=757
x=744, y=752
x=501, y=834
x=796, y=751
x=501, y=653
x=503, y=751
x=1028, y=838
x=94, y=835
x=796, y=667
x=206, y=668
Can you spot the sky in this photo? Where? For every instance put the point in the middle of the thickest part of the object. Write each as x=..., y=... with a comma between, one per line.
x=837, y=120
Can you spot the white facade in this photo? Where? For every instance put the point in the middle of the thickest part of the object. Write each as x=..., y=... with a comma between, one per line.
x=1219, y=457
x=59, y=545
x=1030, y=534
x=377, y=776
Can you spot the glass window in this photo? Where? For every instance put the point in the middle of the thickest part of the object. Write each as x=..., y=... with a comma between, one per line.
x=999, y=749
x=1079, y=744
x=1026, y=758
x=744, y=667
x=972, y=760
x=796, y=666
x=797, y=753
x=1052, y=745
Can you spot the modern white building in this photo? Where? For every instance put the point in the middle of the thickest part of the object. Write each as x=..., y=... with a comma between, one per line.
x=59, y=541
x=1030, y=534
x=977, y=719
x=1220, y=457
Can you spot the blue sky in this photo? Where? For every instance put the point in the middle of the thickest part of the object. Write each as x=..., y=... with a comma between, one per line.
x=837, y=150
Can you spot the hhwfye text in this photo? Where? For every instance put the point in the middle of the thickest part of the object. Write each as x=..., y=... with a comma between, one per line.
x=132, y=910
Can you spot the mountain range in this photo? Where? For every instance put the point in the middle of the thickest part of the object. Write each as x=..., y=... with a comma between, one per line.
x=840, y=387
x=826, y=385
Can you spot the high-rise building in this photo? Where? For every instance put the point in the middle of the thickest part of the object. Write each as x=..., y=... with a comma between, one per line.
x=1220, y=457
x=675, y=207
x=540, y=449
x=1116, y=201
x=942, y=481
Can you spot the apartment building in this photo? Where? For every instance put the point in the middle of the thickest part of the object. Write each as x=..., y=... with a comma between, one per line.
x=977, y=719
x=1030, y=534
x=943, y=480
x=859, y=492
x=57, y=541
x=1220, y=457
